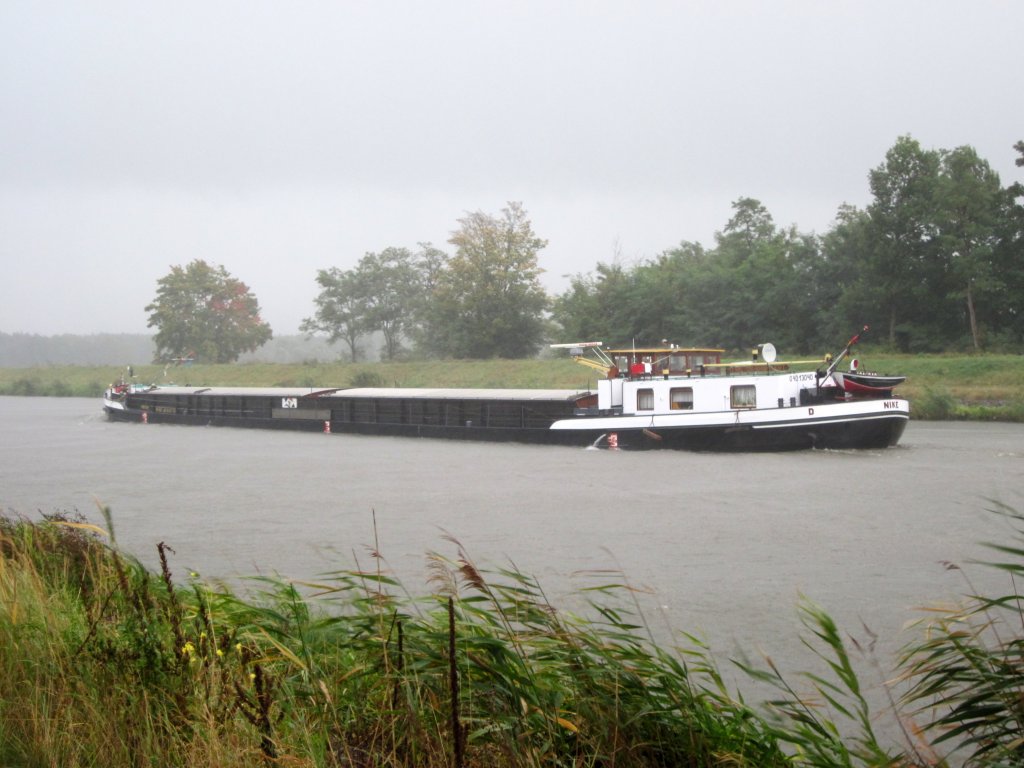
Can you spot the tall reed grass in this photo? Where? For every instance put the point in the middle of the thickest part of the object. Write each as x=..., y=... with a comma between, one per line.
x=103, y=662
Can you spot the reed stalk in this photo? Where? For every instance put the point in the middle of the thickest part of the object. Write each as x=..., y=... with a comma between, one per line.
x=103, y=662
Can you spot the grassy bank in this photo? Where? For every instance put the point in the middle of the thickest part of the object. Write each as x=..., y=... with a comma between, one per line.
x=105, y=663
x=980, y=387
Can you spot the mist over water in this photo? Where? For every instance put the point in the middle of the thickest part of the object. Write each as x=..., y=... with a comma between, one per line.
x=723, y=544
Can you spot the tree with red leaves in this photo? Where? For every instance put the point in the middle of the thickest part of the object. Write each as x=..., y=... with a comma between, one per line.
x=201, y=312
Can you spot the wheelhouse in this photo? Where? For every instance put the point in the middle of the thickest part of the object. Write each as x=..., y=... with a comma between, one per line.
x=665, y=361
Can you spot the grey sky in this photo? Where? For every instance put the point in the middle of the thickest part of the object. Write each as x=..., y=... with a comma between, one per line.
x=279, y=138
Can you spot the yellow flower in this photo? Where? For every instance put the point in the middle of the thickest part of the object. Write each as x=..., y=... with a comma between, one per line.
x=188, y=649
x=252, y=675
x=220, y=652
x=238, y=647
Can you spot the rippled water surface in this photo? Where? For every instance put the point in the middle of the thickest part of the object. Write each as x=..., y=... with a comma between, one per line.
x=723, y=544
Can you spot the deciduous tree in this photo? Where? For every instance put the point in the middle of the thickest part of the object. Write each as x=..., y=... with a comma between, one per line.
x=487, y=300
x=341, y=310
x=970, y=199
x=903, y=231
x=383, y=292
x=202, y=311
x=390, y=282
x=598, y=306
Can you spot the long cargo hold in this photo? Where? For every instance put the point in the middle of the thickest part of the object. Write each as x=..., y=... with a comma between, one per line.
x=470, y=414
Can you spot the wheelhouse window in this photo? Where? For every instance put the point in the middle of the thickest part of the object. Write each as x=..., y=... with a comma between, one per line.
x=681, y=398
x=743, y=396
x=645, y=399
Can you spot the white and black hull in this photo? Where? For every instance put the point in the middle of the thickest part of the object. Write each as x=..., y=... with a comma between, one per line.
x=549, y=417
x=840, y=425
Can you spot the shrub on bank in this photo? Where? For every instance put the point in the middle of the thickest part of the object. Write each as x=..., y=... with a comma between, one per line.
x=49, y=387
x=934, y=404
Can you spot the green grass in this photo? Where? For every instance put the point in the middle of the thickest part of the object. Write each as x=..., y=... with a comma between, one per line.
x=978, y=387
x=90, y=381
x=106, y=663
x=103, y=662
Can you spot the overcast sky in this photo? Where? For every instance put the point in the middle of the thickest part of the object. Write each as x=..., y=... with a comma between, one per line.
x=279, y=138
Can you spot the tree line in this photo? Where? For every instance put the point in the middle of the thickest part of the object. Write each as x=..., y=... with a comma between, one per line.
x=934, y=262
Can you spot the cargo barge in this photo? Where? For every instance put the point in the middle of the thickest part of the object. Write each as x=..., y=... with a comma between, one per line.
x=656, y=397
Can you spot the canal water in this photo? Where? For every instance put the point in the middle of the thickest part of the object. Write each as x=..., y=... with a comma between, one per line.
x=722, y=545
